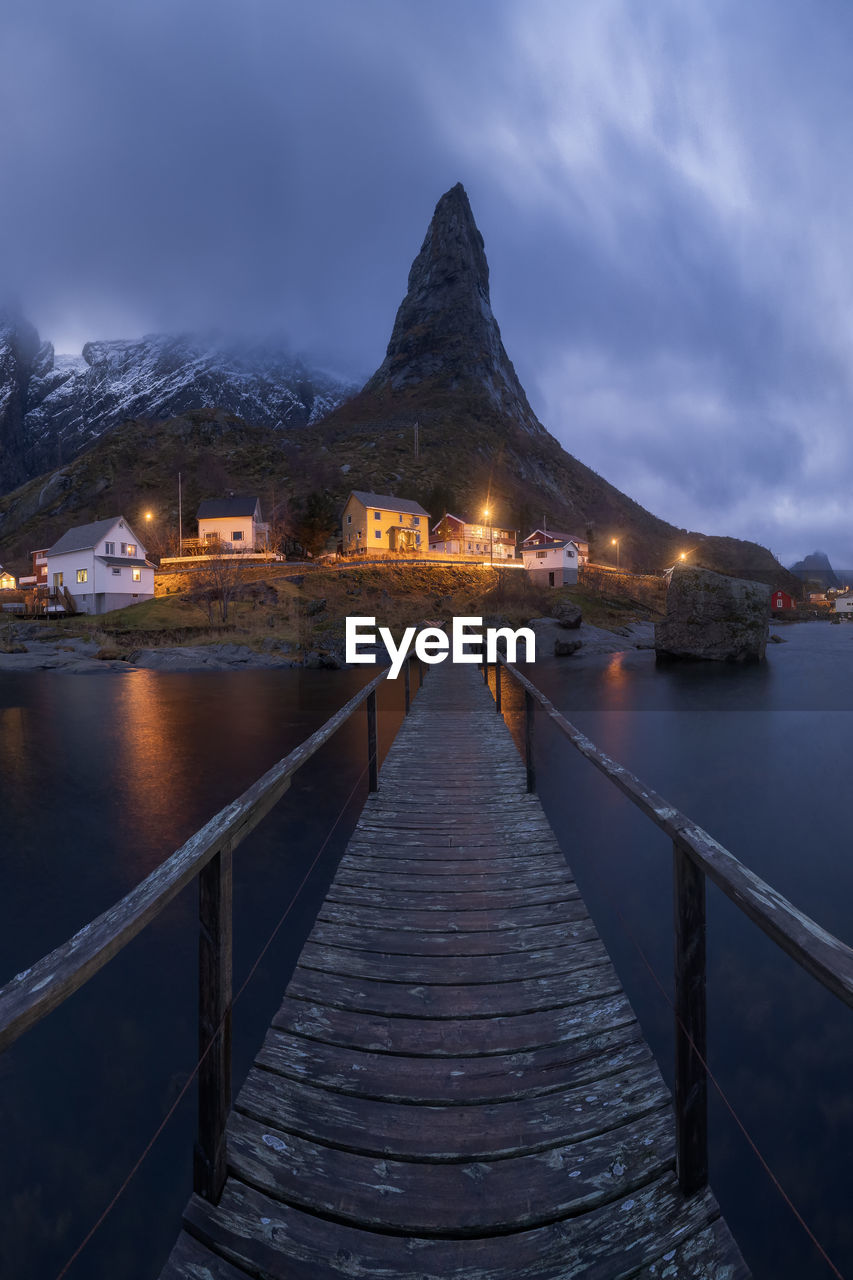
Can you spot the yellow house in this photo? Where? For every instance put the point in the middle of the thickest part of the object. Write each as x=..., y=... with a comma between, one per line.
x=382, y=522
x=8, y=581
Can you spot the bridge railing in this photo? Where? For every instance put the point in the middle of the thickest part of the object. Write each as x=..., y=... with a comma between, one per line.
x=696, y=855
x=36, y=992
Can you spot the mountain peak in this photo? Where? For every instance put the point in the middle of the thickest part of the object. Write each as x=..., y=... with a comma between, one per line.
x=445, y=333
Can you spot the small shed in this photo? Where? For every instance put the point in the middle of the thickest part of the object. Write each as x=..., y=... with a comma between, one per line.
x=781, y=600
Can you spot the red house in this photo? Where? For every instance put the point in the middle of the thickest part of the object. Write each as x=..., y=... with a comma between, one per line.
x=781, y=600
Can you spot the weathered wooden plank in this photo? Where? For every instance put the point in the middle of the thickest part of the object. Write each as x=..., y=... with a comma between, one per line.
x=453, y=1037
x=421, y=1000
x=192, y=1260
x=538, y=862
x=614, y=1242
x=473, y=884
x=447, y=921
x=485, y=1131
x=497, y=1077
x=459, y=1199
x=496, y=900
x=443, y=847
x=412, y=942
x=447, y=971
x=708, y=1255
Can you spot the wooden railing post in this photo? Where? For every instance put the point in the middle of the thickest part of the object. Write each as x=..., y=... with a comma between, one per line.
x=407, y=686
x=214, y=1023
x=691, y=1037
x=372, y=762
x=498, y=687
x=485, y=672
x=529, y=708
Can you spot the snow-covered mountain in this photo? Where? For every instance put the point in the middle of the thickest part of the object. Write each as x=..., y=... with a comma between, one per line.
x=52, y=406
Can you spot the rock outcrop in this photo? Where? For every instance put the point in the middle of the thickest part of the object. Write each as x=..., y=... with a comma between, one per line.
x=713, y=617
x=445, y=332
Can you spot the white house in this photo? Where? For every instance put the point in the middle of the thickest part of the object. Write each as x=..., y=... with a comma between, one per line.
x=844, y=604
x=550, y=537
x=102, y=566
x=552, y=564
x=233, y=524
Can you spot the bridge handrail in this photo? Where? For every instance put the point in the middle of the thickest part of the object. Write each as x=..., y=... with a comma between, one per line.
x=696, y=854
x=37, y=991
x=823, y=955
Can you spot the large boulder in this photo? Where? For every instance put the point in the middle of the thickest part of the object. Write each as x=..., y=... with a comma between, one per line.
x=713, y=617
x=567, y=614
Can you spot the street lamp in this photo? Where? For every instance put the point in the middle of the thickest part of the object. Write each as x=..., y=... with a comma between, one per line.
x=487, y=513
x=615, y=542
x=683, y=555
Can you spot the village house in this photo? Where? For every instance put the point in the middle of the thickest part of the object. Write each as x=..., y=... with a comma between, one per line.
x=383, y=522
x=844, y=605
x=553, y=563
x=547, y=537
x=102, y=566
x=8, y=581
x=458, y=537
x=782, y=600
x=37, y=580
x=232, y=524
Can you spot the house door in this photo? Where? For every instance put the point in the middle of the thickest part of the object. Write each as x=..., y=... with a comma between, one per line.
x=550, y=579
x=57, y=581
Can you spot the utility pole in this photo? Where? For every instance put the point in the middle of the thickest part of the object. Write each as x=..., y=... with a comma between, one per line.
x=417, y=453
x=180, y=520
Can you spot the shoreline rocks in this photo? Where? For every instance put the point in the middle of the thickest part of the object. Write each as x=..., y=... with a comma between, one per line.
x=713, y=618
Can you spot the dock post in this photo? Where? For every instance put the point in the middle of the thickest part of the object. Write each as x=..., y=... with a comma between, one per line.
x=691, y=1034
x=498, y=687
x=372, y=762
x=214, y=1023
x=529, y=707
x=407, y=687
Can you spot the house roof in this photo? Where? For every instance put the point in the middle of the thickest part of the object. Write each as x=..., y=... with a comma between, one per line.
x=557, y=535
x=213, y=508
x=388, y=502
x=123, y=560
x=552, y=546
x=84, y=536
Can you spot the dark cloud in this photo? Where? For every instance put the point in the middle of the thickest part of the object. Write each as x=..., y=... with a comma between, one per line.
x=663, y=190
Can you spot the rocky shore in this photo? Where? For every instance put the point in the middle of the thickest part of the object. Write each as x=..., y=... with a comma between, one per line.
x=20, y=651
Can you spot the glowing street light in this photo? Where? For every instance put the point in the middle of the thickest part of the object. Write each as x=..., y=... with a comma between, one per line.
x=615, y=543
x=149, y=515
x=683, y=555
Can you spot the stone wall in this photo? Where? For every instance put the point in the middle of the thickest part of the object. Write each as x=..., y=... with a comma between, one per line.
x=648, y=589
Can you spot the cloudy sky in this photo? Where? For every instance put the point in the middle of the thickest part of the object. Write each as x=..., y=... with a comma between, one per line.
x=665, y=192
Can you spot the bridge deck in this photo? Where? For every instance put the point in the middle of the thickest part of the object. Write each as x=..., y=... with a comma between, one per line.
x=455, y=1084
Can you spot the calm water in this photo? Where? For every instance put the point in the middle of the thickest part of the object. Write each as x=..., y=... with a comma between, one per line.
x=103, y=776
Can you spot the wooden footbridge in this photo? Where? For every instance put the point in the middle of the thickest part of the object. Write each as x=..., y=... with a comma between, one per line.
x=455, y=1084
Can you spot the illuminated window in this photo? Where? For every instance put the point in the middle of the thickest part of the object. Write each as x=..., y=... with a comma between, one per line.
x=131, y=548
x=136, y=574
x=82, y=575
